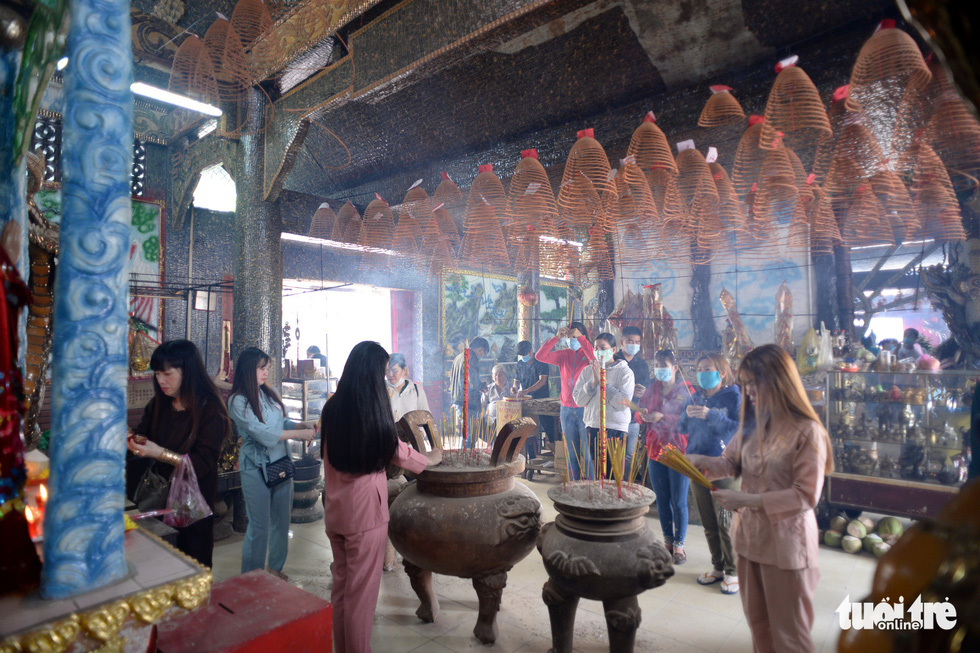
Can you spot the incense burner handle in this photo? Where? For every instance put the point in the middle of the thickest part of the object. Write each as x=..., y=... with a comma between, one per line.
x=510, y=440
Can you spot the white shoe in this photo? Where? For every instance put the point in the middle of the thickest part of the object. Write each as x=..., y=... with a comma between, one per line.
x=710, y=577
x=729, y=585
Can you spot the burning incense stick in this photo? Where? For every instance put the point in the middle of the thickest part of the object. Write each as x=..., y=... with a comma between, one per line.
x=673, y=458
x=602, y=424
x=466, y=393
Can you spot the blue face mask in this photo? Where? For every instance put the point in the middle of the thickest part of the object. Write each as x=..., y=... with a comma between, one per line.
x=908, y=342
x=709, y=380
x=663, y=374
x=574, y=344
x=604, y=355
x=631, y=350
x=524, y=359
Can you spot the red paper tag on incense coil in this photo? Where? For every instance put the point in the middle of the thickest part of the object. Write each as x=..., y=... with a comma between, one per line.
x=445, y=176
x=842, y=92
x=718, y=88
x=810, y=179
x=888, y=23
x=756, y=120
x=486, y=167
x=529, y=154
x=753, y=189
x=441, y=204
x=380, y=198
x=586, y=133
x=649, y=117
x=718, y=176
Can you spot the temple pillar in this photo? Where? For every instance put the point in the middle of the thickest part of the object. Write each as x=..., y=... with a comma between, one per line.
x=257, y=248
x=83, y=529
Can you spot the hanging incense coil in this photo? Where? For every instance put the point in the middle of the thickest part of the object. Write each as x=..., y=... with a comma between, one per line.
x=587, y=177
x=598, y=258
x=954, y=134
x=776, y=191
x=707, y=226
x=634, y=247
x=451, y=197
x=377, y=232
x=635, y=203
x=418, y=205
x=442, y=257
x=697, y=186
x=663, y=188
x=794, y=108
x=532, y=211
x=721, y=109
x=887, y=64
x=729, y=206
x=561, y=259
x=897, y=204
x=446, y=225
x=917, y=108
x=862, y=222
x=748, y=158
x=345, y=216
x=324, y=221
x=228, y=59
x=251, y=19
x=857, y=157
x=836, y=114
x=649, y=147
x=192, y=73
x=799, y=172
x=933, y=197
x=486, y=189
x=483, y=241
x=824, y=229
x=407, y=238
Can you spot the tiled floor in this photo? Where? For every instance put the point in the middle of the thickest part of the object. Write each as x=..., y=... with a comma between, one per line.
x=680, y=616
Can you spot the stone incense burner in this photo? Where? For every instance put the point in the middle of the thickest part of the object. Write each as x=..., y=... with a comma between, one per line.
x=465, y=519
x=600, y=548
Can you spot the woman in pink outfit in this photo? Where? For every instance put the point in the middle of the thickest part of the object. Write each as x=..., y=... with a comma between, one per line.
x=781, y=454
x=359, y=441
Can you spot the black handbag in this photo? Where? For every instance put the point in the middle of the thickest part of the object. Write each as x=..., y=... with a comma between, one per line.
x=278, y=471
x=152, y=491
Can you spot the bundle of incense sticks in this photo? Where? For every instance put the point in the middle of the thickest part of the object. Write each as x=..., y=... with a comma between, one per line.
x=673, y=458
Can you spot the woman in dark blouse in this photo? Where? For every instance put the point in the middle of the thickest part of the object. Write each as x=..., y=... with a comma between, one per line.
x=185, y=416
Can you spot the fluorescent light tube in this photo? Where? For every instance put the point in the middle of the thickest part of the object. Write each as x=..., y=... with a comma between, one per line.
x=139, y=88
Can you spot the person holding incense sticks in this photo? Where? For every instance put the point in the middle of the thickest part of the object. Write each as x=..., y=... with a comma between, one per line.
x=661, y=407
x=571, y=360
x=458, y=391
x=710, y=419
x=782, y=453
x=358, y=443
x=619, y=391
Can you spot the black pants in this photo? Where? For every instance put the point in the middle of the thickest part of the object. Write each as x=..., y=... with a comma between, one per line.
x=197, y=540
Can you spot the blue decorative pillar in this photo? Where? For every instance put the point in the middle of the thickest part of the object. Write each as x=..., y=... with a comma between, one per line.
x=83, y=529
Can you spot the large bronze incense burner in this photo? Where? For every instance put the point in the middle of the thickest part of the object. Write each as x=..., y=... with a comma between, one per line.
x=466, y=517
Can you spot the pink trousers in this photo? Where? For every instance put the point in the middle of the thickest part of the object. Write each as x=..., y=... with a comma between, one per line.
x=778, y=606
x=356, y=572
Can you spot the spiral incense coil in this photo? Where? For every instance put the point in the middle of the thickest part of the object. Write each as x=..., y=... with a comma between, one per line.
x=486, y=188
x=729, y=206
x=441, y=256
x=799, y=171
x=700, y=197
x=824, y=230
x=635, y=249
x=748, y=158
x=721, y=108
x=583, y=205
x=857, y=157
x=192, y=73
x=663, y=188
x=798, y=237
x=707, y=227
x=888, y=63
x=251, y=19
x=531, y=211
x=776, y=191
x=446, y=225
x=635, y=203
x=598, y=259
x=933, y=197
x=794, y=107
x=917, y=108
x=408, y=236
x=377, y=231
x=347, y=227
x=897, y=204
x=418, y=205
x=561, y=259
x=228, y=59
x=324, y=221
x=483, y=241
x=836, y=114
x=649, y=147
x=862, y=223
x=954, y=134
x=586, y=179
x=432, y=238
x=451, y=197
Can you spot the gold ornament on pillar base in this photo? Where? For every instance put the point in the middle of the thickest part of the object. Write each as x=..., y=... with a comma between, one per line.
x=527, y=298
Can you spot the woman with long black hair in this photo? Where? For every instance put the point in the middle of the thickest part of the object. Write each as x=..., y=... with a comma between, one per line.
x=185, y=416
x=260, y=417
x=359, y=441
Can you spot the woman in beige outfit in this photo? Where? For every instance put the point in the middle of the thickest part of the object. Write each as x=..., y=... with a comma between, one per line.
x=781, y=454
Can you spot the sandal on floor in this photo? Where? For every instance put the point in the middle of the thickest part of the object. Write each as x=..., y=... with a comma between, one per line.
x=710, y=577
x=277, y=574
x=679, y=556
x=729, y=585
x=669, y=545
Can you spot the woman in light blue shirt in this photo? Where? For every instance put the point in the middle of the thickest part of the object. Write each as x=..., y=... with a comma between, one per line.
x=258, y=413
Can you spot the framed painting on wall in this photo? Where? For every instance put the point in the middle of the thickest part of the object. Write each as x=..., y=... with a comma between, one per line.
x=481, y=305
x=145, y=252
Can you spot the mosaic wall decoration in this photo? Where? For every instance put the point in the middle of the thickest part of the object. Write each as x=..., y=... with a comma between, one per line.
x=145, y=251
x=553, y=302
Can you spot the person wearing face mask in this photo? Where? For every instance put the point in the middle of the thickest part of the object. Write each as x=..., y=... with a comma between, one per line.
x=405, y=395
x=574, y=357
x=710, y=419
x=632, y=337
x=496, y=391
x=619, y=390
x=661, y=408
x=531, y=377
x=909, y=348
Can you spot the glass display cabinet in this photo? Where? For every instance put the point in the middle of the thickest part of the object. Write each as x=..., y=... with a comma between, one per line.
x=900, y=439
x=304, y=398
